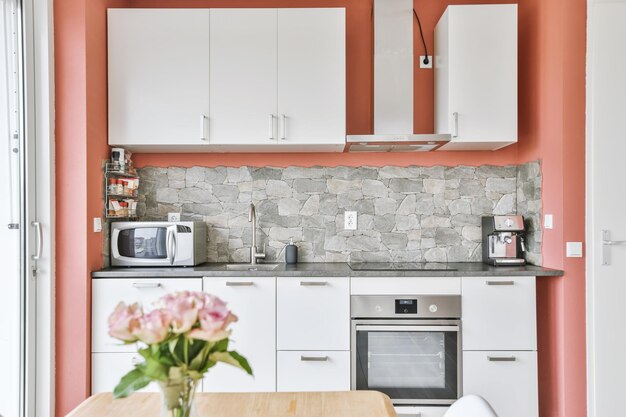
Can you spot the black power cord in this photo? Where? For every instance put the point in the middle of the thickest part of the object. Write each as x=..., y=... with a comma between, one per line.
x=426, y=60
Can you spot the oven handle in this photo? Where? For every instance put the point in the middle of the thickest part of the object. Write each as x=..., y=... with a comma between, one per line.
x=408, y=328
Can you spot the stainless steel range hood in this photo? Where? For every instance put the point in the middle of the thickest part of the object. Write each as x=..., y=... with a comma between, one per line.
x=393, y=85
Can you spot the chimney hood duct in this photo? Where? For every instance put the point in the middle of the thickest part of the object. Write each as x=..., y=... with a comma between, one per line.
x=393, y=85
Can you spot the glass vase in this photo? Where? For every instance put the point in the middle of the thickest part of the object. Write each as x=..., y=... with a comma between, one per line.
x=178, y=398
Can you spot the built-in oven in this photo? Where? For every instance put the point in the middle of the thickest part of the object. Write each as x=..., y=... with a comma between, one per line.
x=408, y=347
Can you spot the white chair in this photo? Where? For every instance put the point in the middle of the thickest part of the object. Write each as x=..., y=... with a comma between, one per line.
x=470, y=406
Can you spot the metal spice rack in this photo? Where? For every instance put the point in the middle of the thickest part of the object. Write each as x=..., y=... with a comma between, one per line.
x=113, y=170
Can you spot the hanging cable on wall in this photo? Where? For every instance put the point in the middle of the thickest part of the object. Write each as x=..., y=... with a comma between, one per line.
x=419, y=24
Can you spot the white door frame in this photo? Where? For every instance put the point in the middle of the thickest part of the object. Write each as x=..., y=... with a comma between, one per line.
x=39, y=123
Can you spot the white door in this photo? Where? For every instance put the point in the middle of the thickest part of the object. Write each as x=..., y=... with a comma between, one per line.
x=158, y=76
x=311, y=76
x=253, y=300
x=243, y=77
x=606, y=204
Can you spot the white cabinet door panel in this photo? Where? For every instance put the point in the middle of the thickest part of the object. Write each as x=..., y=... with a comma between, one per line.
x=476, y=98
x=107, y=293
x=313, y=371
x=243, y=76
x=158, y=63
x=499, y=313
x=510, y=386
x=253, y=300
x=108, y=368
x=311, y=76
x=313, y=313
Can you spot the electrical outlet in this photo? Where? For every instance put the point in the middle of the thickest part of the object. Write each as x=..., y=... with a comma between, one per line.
x=97, y=224
x=350, y=220
x=173, y=217
x=430, y=62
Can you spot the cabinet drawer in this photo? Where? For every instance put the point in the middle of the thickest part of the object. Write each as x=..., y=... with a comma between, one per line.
x=313, y=314
x=506, y=379
x=108, y=368
x=499, y=313
x=313, y=371
x=253, y=300
x=421, y=411
x=408, y=286
x=107, y=293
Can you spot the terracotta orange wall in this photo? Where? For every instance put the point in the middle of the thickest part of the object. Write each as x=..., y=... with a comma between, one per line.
x=551, y=112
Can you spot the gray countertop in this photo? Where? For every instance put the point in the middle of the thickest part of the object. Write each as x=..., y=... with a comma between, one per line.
x=335, y=269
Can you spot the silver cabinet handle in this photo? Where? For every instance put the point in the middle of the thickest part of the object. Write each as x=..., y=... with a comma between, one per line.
x=314, y=358
x=37, y=255
x=606, y=242
x=500, y=282
x=313, y=283
x=239, y=283
x=455, y=117
x=501, y=358
x=203, y=119
x=140, y=285
x=271, y=129
x=283, y=123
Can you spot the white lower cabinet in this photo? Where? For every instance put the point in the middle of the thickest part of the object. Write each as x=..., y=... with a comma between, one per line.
x=253, y=300
x=313, y=313
x=108, y=368
x=506, y=379
x=409, y=411
x=313, y=371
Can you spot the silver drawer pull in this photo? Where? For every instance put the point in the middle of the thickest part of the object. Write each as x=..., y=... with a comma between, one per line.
x=501, y=358
x=500, y=282
x=313, y=283
x=314, y=358
x=140, y=285
x=239, y=283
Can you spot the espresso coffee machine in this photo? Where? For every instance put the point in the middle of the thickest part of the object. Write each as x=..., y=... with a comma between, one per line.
x=503, y=240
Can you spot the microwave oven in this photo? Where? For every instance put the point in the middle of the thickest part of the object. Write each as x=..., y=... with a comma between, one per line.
x=158, y=243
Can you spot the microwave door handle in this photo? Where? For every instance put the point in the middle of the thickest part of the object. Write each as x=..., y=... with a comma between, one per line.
x=171, y=246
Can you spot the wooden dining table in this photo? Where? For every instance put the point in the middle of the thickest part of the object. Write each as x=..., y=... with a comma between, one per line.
x=272, y=404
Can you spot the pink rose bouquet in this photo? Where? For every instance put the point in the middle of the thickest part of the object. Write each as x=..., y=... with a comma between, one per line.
x=180, y=340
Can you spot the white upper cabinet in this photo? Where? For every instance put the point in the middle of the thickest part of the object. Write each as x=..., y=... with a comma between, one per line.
x=312, y=77
x=243, y=77
x=227, y=80
x=158, y=77
x=476, y=76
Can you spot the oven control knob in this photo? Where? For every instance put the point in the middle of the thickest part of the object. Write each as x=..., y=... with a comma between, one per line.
x=433, y=308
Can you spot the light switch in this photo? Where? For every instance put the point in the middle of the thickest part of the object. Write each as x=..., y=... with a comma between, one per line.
x=548, y=222
x=97, y=224
x=574, y=249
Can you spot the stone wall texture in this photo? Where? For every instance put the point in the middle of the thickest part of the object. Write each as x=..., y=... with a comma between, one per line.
x=404, y=213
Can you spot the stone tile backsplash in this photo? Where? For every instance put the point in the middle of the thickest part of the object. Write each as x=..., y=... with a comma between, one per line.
x=404, y=213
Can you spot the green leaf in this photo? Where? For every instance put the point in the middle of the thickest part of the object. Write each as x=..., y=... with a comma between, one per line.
x=131, y=382
x=154, y=369
x=221, y=345
x=234, y=359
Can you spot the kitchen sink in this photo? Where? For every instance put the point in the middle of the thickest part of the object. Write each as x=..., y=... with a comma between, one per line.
x=250, y=267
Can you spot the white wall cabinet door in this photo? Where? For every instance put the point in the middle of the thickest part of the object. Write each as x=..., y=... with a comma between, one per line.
x=243, y=77
x=158, y=75
x=253, y=300
x=311, y=76
x=476, y=76
x=108, y=368
x=107, y=293
x=499, y=313
x=313, y=371
x=313, y=313
x=507, y=380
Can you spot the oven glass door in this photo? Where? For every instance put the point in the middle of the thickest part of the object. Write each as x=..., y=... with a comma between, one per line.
x=143, y=243
x=411, y=364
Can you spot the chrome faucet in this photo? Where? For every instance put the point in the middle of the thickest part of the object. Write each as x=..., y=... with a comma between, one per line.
x=254, y=254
